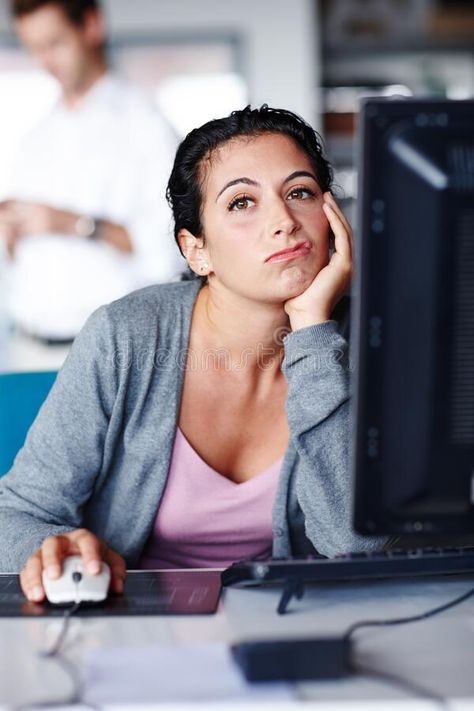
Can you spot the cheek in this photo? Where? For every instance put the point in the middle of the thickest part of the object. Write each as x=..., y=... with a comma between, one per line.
x=314, y=223
x=321, y=230
x=325, y=241
x=297, y=278
x=229, y=244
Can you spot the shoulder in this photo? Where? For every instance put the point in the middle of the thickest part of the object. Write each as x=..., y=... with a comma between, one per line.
x=170, y=296
x=137, y=326
x=165, y=302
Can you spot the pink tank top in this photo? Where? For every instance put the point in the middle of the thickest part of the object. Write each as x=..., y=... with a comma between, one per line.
x=206, y=520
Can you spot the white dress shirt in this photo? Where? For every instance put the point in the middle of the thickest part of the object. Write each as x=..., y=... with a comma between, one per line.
x=109, y=158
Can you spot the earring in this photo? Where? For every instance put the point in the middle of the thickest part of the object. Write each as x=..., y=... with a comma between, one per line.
x=204, y=266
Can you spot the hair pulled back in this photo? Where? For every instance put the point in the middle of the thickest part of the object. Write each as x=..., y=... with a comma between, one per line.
x=184, y=191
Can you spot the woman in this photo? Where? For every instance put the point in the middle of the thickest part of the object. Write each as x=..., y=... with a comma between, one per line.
x=165, y=440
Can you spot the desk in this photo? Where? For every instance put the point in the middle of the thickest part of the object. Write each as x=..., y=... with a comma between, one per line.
x=437, y=653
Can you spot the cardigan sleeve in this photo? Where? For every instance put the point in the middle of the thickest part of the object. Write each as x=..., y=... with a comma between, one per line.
x=319, y=417
x=53, y=474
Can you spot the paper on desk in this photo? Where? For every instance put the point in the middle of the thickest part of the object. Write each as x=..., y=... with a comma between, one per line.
x=170, y=673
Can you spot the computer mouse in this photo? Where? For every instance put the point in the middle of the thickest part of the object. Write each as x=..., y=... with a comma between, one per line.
x=75, y=585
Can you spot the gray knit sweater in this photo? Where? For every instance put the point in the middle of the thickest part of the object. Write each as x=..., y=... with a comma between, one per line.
x=97, y=455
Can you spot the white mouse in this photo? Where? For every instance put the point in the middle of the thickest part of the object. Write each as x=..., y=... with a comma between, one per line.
x=75, y=585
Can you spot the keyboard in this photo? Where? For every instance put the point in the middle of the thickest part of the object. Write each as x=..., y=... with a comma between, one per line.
x=352, y=566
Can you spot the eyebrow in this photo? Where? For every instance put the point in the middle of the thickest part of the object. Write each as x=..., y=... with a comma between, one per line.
x=236, y=181
x=300, y=174
x=249, y=181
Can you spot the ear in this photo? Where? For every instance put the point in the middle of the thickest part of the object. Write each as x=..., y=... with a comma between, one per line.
x=195, y=253
x=94, y=28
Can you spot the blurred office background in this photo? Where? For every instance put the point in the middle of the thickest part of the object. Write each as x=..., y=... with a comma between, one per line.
x=199, y=59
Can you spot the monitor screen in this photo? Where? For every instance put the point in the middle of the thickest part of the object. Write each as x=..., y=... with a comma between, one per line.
x=413, y=326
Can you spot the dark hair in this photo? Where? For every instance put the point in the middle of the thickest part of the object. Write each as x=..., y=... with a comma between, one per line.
x=184, y=186
x=75, y=10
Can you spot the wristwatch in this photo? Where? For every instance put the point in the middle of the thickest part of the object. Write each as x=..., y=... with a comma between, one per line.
x=87, y=227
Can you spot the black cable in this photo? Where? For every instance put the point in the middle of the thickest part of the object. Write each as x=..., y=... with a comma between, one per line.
x=393, y=679
x=75, y=697
x=62, y=632
x=404, y=620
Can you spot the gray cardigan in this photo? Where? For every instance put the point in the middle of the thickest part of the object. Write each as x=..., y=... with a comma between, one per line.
x=98, y=453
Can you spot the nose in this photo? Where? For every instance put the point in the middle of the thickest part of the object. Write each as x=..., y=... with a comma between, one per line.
x=282, y=220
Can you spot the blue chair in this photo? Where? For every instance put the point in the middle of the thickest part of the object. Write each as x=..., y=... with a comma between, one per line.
x=21, y=396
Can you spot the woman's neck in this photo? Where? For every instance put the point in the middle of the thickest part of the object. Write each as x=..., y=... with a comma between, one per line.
x=249, y=333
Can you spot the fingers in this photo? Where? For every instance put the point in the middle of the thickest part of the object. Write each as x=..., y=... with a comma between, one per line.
x=31, y=580
x=342, y=243
x=48, y=557
x=8, y=227
x=340, y=227
x=93, y=551
x=53, y=550
x=118, y=570
x=52, y=553
x=90, y=549
x=11, y=240
x=329, y=199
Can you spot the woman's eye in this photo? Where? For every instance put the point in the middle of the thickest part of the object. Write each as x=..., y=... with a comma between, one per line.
x=243, y=202
x=300, y=194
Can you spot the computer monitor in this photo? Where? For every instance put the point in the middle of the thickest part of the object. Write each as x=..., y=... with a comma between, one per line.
x=413, y=318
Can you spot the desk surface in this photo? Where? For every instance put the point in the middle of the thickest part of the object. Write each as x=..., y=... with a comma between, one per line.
x=437, y=654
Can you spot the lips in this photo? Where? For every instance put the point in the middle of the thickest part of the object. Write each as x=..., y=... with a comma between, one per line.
x=299, y=250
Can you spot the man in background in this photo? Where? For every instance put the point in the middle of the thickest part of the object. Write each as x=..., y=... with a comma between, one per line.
x=86, y=220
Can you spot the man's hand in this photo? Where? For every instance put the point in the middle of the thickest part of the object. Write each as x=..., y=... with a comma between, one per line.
x=33, y=218
x=316, y=303
x=8, y=225
x=19, y=219
x=38, y=219
x=52, y=553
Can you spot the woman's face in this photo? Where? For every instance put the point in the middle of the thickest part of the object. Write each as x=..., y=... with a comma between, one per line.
x=265, y=233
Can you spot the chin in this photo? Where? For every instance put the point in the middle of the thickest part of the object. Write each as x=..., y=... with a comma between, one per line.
x=296, y=280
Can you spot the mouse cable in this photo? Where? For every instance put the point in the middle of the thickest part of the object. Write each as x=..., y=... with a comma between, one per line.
x=413, y=618
x=393, y=679
x=75, y=697
x=68, y=613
